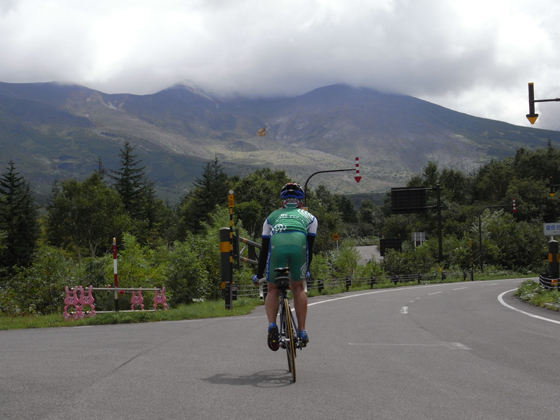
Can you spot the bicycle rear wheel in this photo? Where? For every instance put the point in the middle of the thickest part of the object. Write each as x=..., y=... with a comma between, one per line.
x=290, y=342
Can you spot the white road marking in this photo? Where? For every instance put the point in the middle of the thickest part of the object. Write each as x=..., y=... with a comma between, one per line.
x=460, y=346
x=404, y=310
x=456, y=346
x=501, y=300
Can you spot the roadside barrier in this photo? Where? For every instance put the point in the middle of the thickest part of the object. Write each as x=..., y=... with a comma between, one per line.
x=72, y=300
x=347, y=283
x=79, y=302
x=548, y=282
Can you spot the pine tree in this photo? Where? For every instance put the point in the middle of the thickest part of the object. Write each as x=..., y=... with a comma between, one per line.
x=130, y=182
x=18, y=219
x=209, y=191
x=101, y=171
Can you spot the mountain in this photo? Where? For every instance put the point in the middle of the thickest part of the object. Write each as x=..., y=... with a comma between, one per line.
x=55, y=131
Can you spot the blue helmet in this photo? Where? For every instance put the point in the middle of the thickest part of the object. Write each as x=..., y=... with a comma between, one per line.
x=292, y=190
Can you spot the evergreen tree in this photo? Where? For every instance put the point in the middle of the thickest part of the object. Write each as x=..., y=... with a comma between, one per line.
x=130, y=182
x=256, y=196
x=18, y=219
x=346, y=208
x=138, y=196
x=101, y=171
x=209, y=191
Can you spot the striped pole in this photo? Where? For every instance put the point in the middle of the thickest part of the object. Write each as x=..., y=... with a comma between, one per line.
x=115, y=279
x=229, y=291
x=357, y=177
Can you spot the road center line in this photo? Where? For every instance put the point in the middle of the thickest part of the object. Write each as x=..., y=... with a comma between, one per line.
x=459, y=346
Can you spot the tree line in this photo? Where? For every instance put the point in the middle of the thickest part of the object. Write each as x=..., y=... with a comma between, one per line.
x=68, y=241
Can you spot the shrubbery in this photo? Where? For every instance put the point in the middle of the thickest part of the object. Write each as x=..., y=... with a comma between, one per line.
x=178, y=247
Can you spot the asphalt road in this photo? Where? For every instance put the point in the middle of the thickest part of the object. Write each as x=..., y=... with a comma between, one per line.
x=367, y=253
x=445, y=351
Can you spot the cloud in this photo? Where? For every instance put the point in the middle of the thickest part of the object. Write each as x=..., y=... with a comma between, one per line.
x=470, y=55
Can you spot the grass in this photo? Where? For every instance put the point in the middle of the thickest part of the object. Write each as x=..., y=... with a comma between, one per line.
x=198, y=310
x=532, y=292
x=529, y=291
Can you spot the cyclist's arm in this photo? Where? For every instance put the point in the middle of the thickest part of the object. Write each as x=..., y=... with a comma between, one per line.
x=265, y=245
x=310, y=242
x=311, y=232
x=263, y=257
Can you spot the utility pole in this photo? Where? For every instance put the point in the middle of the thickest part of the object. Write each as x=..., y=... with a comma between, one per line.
x=357, y=178
x=532, y=116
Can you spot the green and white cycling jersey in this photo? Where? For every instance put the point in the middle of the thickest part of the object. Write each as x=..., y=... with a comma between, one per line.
x=289, y=220
x=288, y=230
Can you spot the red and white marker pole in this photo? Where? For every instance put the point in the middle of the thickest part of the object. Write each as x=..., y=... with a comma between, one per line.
x=358, y=177
x=115, y=278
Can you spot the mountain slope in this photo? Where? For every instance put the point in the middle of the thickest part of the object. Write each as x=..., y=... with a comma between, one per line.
x=55, y=131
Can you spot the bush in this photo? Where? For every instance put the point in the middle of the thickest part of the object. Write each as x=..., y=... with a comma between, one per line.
x=39, y=289
x=186, y=277
x=419, y=260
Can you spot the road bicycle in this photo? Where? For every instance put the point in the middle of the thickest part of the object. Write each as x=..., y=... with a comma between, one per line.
x=287, y=329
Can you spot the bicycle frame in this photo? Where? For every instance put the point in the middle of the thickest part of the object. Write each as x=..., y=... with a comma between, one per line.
x=287, y=328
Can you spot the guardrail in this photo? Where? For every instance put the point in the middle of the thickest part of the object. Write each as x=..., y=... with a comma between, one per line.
x=548, y=283
x=250, y=291
x=81, y=302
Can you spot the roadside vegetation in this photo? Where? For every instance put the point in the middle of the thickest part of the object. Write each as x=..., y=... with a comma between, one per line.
x=532, y=292
x=212, y=308
x=68, y=242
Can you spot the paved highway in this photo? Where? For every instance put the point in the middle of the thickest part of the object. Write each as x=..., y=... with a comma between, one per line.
x=446, y=351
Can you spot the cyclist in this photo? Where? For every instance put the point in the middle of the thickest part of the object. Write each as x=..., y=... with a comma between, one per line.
x=287, y=240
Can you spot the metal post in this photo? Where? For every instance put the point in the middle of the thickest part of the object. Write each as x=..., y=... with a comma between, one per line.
x=472, y=259
x=319, y=172
x=480, y=239
x=440, y=234
x=115, y=277
x=230, y=205
x=225, y=269
x=553, y=259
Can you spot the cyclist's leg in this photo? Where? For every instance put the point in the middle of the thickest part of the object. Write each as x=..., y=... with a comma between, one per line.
x=271, y=303
x=298, y=271
x=300, y=303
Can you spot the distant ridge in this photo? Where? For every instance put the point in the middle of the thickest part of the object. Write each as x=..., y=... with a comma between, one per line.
x=55, y=131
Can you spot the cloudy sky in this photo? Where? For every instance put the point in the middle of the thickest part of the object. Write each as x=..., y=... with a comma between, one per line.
x=473, y=56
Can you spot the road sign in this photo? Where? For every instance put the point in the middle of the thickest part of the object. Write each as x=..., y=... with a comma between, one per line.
x=551, y=229
x=358, y=178
x=335, y=236
x=408, y=200
x=385, y=244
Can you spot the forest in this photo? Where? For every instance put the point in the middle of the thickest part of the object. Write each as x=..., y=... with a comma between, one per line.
x=68, y=241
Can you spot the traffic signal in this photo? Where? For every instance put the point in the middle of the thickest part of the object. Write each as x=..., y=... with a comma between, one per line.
x=532, y=116
x=514, y=208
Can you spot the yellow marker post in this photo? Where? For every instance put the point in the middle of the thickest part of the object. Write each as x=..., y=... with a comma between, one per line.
x=229, y=287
